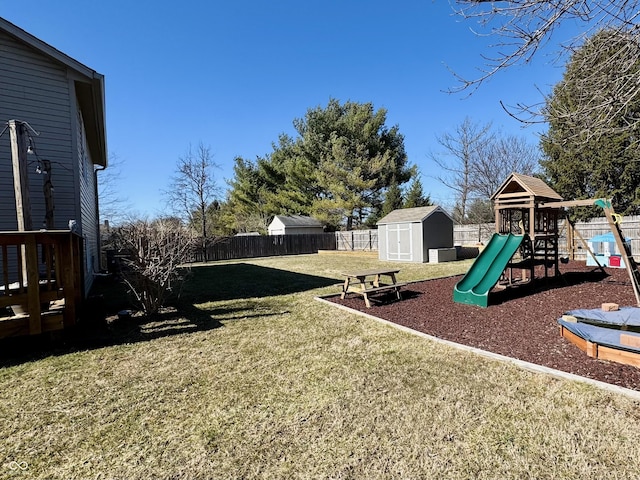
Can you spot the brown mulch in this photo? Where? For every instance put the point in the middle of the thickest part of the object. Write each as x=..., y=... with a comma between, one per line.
x=520, y=322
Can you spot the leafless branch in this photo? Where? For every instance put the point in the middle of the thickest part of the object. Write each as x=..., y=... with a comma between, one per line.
x=193, y=189
x=522, y=27
x=153, y=253
x=113, y=206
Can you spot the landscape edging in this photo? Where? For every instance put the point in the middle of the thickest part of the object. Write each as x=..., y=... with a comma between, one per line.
x=495, y=356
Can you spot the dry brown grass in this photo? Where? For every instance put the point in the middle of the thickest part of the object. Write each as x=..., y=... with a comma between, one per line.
x=292, y=388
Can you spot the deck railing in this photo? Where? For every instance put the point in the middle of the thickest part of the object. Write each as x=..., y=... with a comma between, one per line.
x=52, y=260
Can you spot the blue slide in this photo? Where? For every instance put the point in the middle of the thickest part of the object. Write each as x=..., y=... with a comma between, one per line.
x=485, y=271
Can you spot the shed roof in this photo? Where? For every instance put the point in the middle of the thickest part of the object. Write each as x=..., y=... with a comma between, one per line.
x=298, y=221
x=90, y=90
x=416, y=214
x=534, y=186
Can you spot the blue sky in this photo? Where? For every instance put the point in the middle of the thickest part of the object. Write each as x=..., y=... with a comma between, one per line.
x=234, y=75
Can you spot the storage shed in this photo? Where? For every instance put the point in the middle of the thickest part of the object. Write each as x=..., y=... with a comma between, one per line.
x=294, y=225
x=413, y=234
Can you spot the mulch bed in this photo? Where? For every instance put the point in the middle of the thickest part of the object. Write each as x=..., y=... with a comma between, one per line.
x=520, y=322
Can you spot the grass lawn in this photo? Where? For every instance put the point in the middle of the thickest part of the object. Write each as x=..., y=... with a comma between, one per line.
x=252, y=378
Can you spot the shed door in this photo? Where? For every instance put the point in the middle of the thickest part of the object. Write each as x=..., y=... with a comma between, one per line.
x=399, y=242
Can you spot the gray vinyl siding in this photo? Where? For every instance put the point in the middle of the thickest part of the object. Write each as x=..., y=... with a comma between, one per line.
x=302, y=230
x=36, y=90
x=40, y=91
x=88, y=218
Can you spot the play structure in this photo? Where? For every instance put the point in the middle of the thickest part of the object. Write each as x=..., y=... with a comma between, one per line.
x=487, y=269
x=603, y=251
x=527, y=211
x=526, y=236
x=609, y=335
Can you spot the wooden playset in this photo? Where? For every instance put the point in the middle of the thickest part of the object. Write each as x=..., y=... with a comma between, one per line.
x=525, y=205
x=527, y=213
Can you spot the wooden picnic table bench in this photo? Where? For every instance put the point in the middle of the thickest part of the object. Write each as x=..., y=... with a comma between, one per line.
x=366, y=282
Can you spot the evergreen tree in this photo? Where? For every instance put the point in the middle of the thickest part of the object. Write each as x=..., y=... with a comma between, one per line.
x=356, y=155
x=415, y=196
x=338, y=168
x=246, y=184
x=246, y=206
x=579, y=164
x=392, y=199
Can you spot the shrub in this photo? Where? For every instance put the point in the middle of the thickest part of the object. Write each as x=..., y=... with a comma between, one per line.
x=153, y=253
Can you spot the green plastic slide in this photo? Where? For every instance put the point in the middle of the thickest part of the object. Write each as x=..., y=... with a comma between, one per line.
x=485, y=271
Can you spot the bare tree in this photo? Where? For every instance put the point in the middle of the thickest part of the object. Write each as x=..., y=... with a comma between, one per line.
x=113, y=206
x=252, y=222
x=503, y=155
x=193, y=189
x=476, y=161
x=463, y=151
x=523, y=27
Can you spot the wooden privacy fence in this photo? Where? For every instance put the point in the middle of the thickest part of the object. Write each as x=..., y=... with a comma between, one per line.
x=473, y=234
x=365, y=240
x=630, y=227
x=481, y=233
x=229, y=248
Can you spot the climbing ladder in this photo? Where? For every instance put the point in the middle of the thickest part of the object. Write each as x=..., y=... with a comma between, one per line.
x=614, y=223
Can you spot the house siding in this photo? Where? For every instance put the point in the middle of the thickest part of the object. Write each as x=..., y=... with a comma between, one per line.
x=276, y=227
x=294, y=225
x=35, y=90
x=87, y=192
x=303, y=230
x=38, y=90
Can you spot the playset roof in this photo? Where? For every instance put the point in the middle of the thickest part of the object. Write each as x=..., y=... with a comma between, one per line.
x=528, y=186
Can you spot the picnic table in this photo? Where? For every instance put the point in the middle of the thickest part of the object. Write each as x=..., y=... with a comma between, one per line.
x=366, y=282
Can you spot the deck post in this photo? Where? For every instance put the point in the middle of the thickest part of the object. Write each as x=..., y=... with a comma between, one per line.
x=20, y=182
x=20, y=175
x=71, y=278
x=33, y=286
x=47, y=188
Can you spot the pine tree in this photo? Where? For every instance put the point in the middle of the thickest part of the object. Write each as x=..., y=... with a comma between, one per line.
x=337, y=169
x=579, y=164
x=392, y=199
x=415, y=196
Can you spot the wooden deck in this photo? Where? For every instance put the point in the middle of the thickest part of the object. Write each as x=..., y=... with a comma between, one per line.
x=52, y=260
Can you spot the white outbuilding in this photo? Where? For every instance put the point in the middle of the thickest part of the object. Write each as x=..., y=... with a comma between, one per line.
x=421, y=234
x=294, y=225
